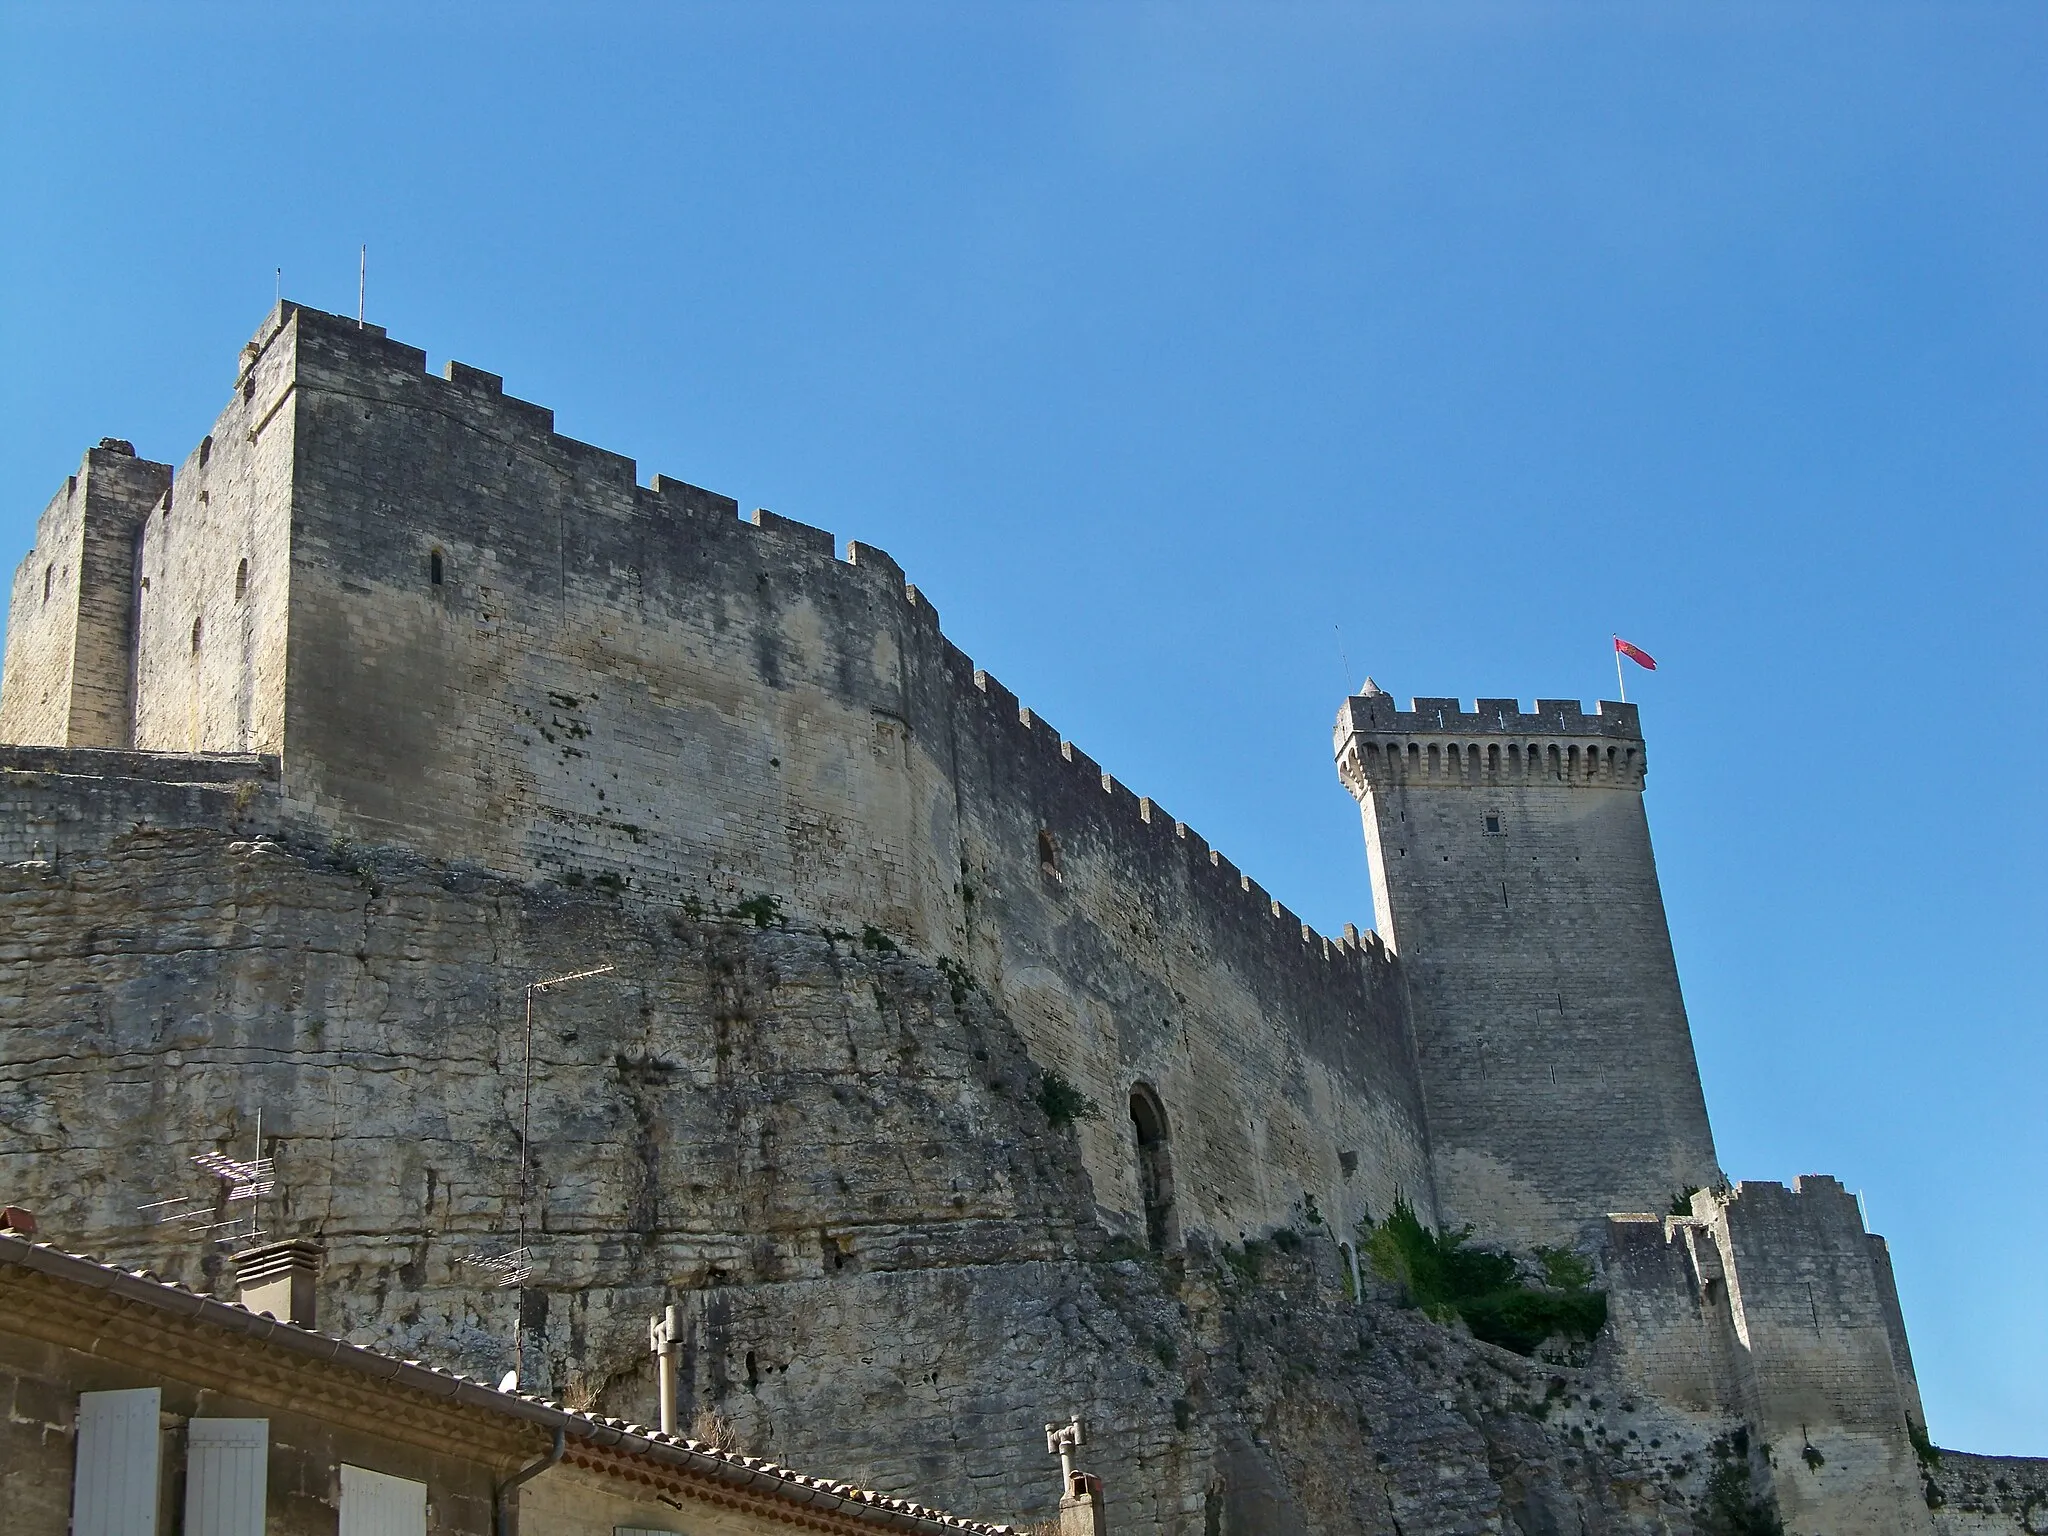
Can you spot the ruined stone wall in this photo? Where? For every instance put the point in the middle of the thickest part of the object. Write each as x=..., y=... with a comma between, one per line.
x=1774, y=1306
x=1987, y=1495
x=215, y=563
x=1513, y=874
x=70, y=640
x=1662, y=1335
x=57, y=803
x=1819, y=1381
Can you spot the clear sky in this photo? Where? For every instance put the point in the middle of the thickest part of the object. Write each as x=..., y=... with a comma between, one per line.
x=1197, y=360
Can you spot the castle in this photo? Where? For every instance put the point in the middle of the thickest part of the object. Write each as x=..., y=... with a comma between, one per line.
x=379, y=615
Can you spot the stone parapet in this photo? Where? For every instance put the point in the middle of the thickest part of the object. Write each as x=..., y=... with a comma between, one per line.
x=1438, y=741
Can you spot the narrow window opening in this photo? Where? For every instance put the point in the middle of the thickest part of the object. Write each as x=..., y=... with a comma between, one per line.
x=1493, y=826
x=241, y=580
x=434, y=570
x=1155, y=1168
x=198, y=627
x=47, y=572
x=205, y=450
x=1048, y=854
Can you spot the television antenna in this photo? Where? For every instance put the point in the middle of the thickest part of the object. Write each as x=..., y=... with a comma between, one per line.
x=514, y=1267
x=237, y=1180
x=503, y=1270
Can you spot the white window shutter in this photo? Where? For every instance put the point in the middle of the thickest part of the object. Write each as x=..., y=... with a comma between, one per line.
x=227, y=1475
x=113, y=1491
x=374, y=1504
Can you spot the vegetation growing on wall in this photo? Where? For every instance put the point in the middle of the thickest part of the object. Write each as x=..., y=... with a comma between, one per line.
x=761, y=911
x=1063, y=1103
x=1732, y=1506
x=1447, y=1278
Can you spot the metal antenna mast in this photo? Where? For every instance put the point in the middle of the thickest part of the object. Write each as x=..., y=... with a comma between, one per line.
x=514, y=1269
x=526, y=1091
x=238, y=1179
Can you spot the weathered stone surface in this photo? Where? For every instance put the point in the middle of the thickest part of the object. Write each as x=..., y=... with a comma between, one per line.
x=889, y=1259
x=878, y=933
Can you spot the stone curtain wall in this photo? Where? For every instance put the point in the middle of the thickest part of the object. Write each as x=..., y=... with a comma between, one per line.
x=1143, y=955
x=70, y=641
x=620, y=684
x=1513, y=874
x=1776, y=1307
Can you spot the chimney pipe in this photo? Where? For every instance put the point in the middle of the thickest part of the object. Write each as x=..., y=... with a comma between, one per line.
x=277, y=1279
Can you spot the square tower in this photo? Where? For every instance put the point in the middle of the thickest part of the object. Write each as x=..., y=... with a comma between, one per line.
x=1513, y=876
x=69, y=674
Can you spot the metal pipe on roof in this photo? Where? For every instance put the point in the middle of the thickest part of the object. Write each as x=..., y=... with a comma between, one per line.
x=502, y=1505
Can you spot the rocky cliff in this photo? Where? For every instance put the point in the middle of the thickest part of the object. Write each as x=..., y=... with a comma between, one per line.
x=836, y=1155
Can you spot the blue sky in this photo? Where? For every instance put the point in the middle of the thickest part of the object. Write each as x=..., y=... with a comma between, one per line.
x=1162, y=343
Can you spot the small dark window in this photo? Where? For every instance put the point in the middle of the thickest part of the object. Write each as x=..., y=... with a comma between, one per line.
x=1493, y=826
x=434, y=568
x=47, y=570
x=1048, y=854
x=241, y=579
x=249, y=389
x=198, y=626
x=205, y=450
x=1348, y=1162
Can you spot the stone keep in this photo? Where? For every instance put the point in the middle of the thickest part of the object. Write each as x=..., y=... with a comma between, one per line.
x=1512, y=874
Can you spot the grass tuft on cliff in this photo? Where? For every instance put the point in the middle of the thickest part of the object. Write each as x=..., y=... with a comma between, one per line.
x=1447, y=1278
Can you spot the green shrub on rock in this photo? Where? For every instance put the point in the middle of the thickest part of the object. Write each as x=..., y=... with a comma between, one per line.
x=1447, y=1278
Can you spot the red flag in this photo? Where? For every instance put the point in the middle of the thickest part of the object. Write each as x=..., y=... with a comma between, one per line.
x=1636, y=654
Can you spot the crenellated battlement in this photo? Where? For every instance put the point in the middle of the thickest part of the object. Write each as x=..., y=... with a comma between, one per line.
x=1495, y=742
x=477, y=399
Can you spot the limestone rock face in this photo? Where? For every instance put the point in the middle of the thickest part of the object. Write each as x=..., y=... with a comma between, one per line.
x=830, y=1152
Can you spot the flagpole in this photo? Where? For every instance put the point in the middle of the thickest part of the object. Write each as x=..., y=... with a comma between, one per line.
x=1620, y=681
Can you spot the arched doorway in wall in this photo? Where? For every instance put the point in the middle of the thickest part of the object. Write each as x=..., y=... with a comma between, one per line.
x=1155, y=1168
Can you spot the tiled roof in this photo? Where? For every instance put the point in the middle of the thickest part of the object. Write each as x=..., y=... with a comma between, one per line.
x=752, y=1474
